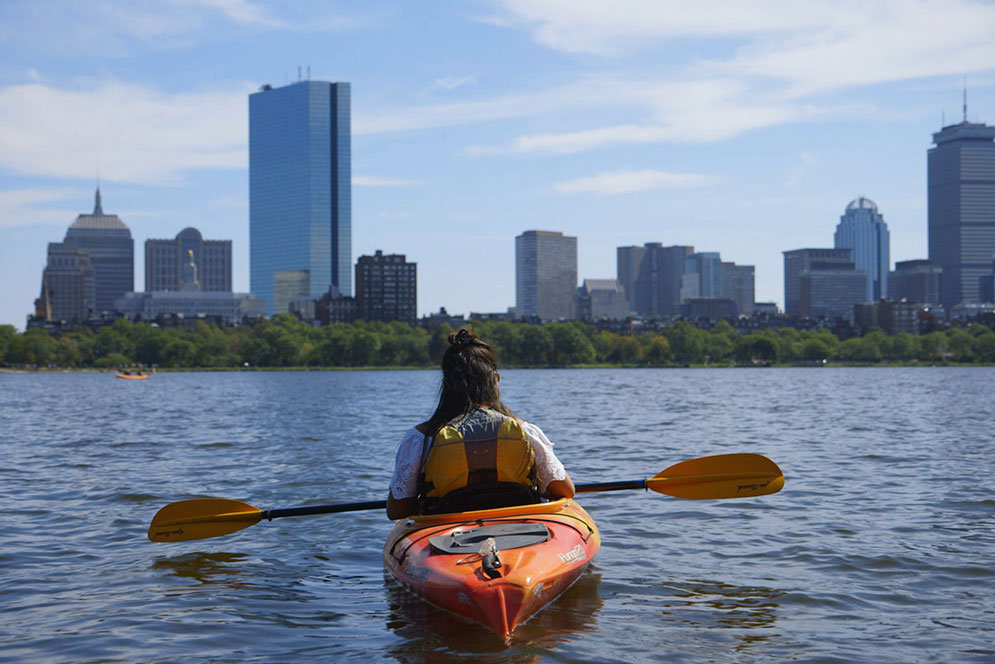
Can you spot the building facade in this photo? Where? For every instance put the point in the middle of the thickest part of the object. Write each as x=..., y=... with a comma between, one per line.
x=702, y=276
x=300, y=191
x=165, y=261
x=545, y=275
x=739, y=285
x=68, y=289
x=961, y=208
x=229, y=308
x=656, y=274
x=830, y=291
x=112, y=254
x=915, y=281
x=797, y=261
x=863, y=230
x=601, y=299
x=387, y=288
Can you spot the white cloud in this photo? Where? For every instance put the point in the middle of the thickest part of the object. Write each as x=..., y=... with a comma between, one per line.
x=129, y=132
x=453, y=82
x=39, y=207
x=814, y=45
x=117, y=29
x=626, y=182
x=369, y=181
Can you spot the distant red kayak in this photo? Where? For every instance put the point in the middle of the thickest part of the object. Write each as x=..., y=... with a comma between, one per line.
x=494, y=567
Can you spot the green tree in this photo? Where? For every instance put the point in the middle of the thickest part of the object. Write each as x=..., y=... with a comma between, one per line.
x=983, y=347
x=535, y=345
x=959, y=345
x=656, y=350
x=569, y=345
x=7, y=334
x=687, y=342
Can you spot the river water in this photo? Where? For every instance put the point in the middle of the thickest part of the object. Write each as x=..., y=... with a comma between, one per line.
x=880, y=548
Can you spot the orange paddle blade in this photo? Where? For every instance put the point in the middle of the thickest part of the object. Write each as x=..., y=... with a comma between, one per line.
x=721, y=476
x=201, y=518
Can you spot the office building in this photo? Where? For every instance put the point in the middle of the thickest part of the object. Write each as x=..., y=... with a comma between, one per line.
x=830, y=290
x=68, y=287
x=300, y=201
x=798, y=261
x=545, y=275
x=652, y=276
x=628, y=260
x=863, y=230
x=165, y=261
x=961, y=208
x=739, y=285
x=112, y=254
x=601, y=299
x=387, y=288
x=702, y=276
x=915, y=281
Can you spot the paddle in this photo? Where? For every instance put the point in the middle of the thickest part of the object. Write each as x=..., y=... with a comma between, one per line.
x=721, y=476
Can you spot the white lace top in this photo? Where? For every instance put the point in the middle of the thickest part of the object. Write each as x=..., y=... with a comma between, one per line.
x=407, y=463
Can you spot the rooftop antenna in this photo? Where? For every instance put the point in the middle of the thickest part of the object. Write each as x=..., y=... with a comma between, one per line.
x=298, y=73
x=309, y=72
x=965, y=100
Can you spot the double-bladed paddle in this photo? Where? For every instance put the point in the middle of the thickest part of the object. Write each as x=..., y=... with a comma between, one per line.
x=720, y=476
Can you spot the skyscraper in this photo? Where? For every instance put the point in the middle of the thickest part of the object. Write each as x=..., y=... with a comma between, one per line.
x=67, y=285
x=652, y=276
x=300, y=196
x=799, y=261
x=112, y=254
x=545, y=275
x=915, y=281
x=863, y=230
x=165, y=261
x=739, y=285
x=702, y=276
x=961, y=208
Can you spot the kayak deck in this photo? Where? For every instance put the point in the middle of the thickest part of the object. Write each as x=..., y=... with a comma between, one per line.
x=494, y=567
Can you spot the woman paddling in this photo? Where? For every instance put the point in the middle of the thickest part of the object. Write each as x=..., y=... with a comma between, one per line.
x=473, y=453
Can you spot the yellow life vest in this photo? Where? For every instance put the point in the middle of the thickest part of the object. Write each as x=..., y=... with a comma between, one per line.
x=484, y=447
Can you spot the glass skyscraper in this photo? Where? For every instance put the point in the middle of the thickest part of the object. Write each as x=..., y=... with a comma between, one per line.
x=863, y=230
x=961, y=209
x=300, y=190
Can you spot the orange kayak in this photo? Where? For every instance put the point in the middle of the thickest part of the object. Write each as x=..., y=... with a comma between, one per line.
x=495, y=567
x=132, y=376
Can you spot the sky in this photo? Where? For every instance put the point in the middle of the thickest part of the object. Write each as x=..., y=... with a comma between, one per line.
x=738, y=127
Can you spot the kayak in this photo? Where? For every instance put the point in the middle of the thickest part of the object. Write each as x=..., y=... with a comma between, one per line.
x=133, y=376
x=495, y=567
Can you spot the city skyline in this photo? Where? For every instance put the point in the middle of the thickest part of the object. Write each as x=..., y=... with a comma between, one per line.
x=473, y=122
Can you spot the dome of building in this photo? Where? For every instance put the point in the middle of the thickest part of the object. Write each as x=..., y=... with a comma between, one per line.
x=862, y=203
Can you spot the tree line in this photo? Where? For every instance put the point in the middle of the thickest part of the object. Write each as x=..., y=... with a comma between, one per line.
x=285, y=341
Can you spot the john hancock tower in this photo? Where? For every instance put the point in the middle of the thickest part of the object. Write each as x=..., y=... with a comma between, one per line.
x=300, y=196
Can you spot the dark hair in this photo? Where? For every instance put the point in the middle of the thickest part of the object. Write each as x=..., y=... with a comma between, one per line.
x=469, y=380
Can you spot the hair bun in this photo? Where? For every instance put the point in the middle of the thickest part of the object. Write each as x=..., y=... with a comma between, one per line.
x=462, y=338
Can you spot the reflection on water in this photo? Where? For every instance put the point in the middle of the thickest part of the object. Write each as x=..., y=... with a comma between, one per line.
x=206, y=568
x=432, y=635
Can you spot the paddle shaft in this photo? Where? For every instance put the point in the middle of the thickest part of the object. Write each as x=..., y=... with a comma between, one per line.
x=382, y=504
x=324, y=509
